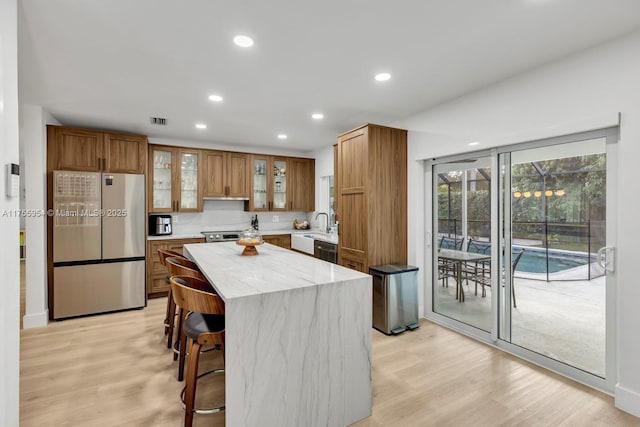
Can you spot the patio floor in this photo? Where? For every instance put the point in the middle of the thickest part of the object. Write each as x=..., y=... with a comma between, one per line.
x=564, y=320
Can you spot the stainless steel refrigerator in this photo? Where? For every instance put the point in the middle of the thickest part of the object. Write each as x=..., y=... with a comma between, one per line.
x=98, y=242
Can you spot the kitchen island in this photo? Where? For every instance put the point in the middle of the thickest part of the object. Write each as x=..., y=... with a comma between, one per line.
x=298, y=336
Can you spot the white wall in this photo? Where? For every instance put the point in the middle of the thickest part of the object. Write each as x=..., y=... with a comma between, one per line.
x=579, y=93
x=324, y=168
x=33, y=138
x=9, y=225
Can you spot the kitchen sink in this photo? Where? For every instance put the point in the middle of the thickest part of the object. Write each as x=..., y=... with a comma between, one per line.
x=303, y=242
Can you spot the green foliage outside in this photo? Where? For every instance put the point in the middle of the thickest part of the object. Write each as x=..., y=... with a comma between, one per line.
x=574, y=220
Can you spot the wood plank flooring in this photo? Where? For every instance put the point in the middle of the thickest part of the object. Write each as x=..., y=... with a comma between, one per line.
x=114, y=370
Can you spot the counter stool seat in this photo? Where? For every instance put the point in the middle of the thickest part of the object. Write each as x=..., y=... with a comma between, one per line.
x=204, y=325
x=179, y=266
x=198, y=324
x=163, y=254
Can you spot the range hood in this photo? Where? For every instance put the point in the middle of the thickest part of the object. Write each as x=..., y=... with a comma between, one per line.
x=225, y=198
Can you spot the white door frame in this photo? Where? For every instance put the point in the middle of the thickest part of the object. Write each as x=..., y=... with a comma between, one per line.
x=608, y=383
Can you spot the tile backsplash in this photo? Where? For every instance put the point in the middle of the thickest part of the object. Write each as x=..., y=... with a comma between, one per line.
x=229, y=215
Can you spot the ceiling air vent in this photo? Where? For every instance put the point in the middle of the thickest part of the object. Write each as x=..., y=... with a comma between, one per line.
x=160, y=121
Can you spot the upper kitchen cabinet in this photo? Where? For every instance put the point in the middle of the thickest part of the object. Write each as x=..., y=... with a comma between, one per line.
x=175, y=184
x=372, y=188
x=302, y=179
x=226, y=174
x=268, y=183
x=95, y=151
x=125, y=153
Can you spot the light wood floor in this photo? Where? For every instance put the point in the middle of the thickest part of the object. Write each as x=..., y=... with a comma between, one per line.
x=113, y=370
x=22, y=289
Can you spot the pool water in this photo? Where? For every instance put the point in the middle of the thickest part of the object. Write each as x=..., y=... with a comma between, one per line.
x=535, y=262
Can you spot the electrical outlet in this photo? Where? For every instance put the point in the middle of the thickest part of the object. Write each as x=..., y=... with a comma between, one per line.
x=175, y=219
x=276, y=218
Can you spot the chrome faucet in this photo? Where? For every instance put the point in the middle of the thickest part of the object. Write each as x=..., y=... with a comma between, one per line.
x=328, y=227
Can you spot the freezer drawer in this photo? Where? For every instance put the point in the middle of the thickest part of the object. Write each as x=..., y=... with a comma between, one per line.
x=395, y=298
x=98, y=288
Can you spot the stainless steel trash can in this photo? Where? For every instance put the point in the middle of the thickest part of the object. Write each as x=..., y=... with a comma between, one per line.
x=395, y=298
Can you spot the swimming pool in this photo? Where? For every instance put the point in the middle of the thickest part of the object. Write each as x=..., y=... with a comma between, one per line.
x=534, y=261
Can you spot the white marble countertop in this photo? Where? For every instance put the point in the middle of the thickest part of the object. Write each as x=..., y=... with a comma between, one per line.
x=197, y=234
x=177, y=236
x=275, y=269
x=319, y=235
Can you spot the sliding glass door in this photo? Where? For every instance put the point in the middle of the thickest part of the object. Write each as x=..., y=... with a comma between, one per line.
x=523, y=250
x=462, y=234
x=555, y=222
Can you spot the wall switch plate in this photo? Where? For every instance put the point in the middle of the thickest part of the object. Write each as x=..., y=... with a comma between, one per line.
x=276, y=218
x=13, y=180
x=175, y=219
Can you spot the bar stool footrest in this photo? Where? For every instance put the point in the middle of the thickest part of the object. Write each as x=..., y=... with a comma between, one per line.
x=204, y=411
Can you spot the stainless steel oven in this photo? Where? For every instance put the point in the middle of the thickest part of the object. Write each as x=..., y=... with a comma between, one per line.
x=325, y=251
x=221, y=236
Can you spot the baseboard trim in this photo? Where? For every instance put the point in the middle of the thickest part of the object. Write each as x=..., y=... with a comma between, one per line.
x=627, y=400
x=35, y=320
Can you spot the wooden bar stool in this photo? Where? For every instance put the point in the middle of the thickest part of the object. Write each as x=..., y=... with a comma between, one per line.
x=163, y=254
x=204, y=325
x=178, y=267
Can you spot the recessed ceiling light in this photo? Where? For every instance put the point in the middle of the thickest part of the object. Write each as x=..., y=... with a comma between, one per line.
x=215, y=98
x=474, y=143
x=383, y=77
x=243, y=41
x=317, y=116
x=282, y=136
x=201, y=126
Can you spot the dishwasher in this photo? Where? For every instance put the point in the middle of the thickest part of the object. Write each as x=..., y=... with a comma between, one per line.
x=325, y=251
x=395, y=298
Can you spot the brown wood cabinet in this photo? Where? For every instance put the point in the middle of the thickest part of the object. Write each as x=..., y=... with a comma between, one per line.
x=282, y=240
x=226, y=174
x=269, y=182
x=371, y=185
x=157, y=285
x=281, y=184
x=175, y=179
x=301, y=181
x=95, y=151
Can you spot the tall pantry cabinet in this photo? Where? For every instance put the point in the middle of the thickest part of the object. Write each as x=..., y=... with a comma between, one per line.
x=371, y=171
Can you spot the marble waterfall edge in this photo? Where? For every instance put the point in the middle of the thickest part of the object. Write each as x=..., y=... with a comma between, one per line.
x=317, y=340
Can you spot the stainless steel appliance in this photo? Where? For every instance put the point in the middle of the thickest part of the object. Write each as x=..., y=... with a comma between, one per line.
x=221, y=236
x=98, y=243
x=160, y=225
x=395, y=298
x=325, y=251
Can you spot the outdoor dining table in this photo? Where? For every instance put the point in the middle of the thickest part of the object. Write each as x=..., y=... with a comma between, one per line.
x=458, y=258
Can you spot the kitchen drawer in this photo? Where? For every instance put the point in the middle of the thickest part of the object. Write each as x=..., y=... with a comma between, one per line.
x=158, y=284
x=156, y=272
x=353, y=262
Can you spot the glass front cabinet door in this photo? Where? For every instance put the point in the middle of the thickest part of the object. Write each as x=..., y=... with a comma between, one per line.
x=279, y=167
x=175, y=185
x=190, y=197
x=269, y=184
x=162, y=197
x=259, y=184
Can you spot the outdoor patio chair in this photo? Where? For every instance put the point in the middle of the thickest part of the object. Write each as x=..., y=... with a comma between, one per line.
x=447, y=269
x=486, y=280
x=477, y=269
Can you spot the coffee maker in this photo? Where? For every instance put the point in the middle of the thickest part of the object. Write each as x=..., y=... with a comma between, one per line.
x=159, y=225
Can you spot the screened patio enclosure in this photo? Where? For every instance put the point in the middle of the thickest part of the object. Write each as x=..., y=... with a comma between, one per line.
x=557, y=213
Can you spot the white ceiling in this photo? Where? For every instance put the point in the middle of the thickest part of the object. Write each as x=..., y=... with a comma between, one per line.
x=114, y=63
